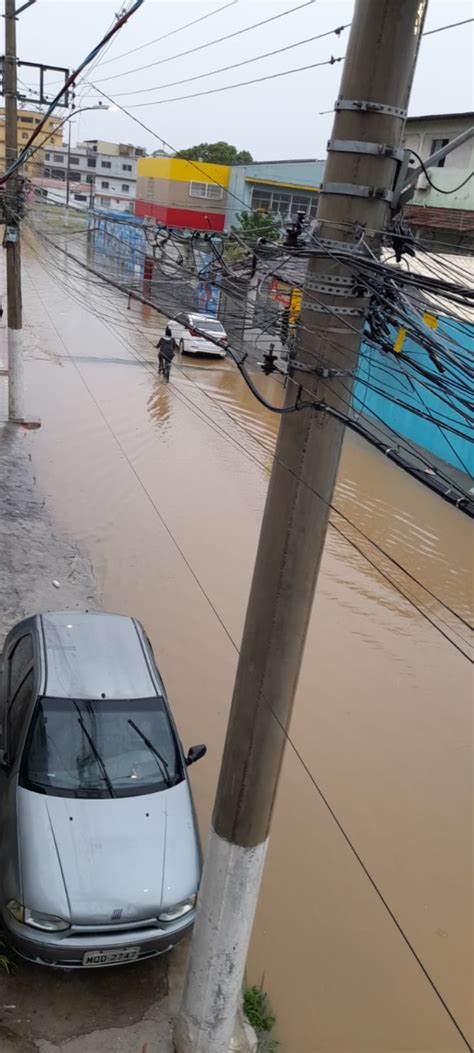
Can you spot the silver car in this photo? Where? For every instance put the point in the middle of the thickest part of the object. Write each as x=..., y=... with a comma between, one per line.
x=100, y=860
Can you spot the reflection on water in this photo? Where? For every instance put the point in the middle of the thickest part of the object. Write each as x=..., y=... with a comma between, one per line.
x=159, y=404
x=165, y=485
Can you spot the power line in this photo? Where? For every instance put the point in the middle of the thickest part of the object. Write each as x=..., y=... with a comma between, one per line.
x=172, y=32
x=229, y=36
x=210, y=43
x=234, y=65
x=451, y=26
x=241, y=84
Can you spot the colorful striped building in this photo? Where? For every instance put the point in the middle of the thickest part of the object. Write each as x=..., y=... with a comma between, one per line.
x=182, y=194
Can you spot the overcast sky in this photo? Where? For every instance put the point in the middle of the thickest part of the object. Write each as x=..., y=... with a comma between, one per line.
x=274, y=119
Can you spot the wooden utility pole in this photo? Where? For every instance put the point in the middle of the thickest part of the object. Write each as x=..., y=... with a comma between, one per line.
x=12, y=223
x=363, y=155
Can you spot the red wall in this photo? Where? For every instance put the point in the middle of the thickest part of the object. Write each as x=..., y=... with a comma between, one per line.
x=181, y=217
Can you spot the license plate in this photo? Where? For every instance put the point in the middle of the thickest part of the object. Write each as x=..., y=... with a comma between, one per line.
x=120, y=954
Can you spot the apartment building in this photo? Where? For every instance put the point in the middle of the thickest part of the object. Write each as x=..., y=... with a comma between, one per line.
x=109, y=170
x=50, y=136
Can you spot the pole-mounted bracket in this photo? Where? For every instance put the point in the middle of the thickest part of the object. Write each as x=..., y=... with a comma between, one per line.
x=322, y=308
x=356, y=146
x=329, y=279
x=354, y=190
x=330, y=245
x=332, y=284
x=361, y=106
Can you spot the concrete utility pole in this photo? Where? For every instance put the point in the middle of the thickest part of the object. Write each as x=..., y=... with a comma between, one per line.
x=363, y=154
x=12, y=224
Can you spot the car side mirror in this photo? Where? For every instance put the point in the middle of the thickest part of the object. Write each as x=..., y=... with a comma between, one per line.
x=195, y=753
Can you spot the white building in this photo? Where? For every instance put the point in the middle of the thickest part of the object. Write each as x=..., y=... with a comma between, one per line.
x=109, y=170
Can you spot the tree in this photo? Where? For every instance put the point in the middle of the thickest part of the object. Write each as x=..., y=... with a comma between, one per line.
x=258, y=225
x=216, y=153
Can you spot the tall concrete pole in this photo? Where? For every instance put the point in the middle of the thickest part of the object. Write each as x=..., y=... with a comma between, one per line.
x=12, y=224
x=359, y=175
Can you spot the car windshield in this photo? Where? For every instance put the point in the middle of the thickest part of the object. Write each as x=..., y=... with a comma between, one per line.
x=100, y=748
x=208, y=325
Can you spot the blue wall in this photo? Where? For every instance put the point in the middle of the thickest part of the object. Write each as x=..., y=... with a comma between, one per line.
x=398, y=379
x=301, y=173
x=120, y=237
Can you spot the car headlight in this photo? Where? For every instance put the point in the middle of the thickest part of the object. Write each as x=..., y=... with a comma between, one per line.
x=35, y=918
x=178, y=910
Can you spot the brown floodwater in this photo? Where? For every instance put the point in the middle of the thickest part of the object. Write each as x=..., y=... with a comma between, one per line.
x=164, y=487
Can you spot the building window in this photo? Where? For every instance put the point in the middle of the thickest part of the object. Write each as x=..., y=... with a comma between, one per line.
x=47, y=157
x=106, y=164
x=58, y=159
x=75, y=177
x=105, y=202
x=89, y=178
x=25, y=120
x=58, y=173
x=283, y=204
x=210, y=191
x=437, y=144
x=91, y=162
x=47, y=173
x=104, y=184
x=125, y=188
x=74, y=160
x=80, y=197
x=126, y=168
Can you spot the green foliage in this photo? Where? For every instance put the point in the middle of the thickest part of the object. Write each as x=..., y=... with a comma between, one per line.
x=258, y=1014
x=216, y=153
x=258, y=224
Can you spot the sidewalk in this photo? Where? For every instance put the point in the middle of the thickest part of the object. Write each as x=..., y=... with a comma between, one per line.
x=126, y=1010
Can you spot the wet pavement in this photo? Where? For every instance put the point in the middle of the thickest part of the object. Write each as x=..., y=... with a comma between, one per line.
x=161, y=490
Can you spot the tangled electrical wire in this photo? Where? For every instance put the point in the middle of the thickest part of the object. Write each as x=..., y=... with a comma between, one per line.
x=399, y=301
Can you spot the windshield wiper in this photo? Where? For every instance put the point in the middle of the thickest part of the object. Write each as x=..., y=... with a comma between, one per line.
x=96, y=753
x=160, y=760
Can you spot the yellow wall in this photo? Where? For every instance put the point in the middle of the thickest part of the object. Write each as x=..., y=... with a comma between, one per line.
x=177, y=170
x=50, y=135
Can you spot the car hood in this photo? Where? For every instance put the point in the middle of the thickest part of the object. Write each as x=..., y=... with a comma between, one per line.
x=104, y=860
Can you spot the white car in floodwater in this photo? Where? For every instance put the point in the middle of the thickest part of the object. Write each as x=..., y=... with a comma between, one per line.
x=190, y=331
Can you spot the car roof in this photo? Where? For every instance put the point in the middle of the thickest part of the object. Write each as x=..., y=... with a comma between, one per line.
x=204, y=318
x=90, y=654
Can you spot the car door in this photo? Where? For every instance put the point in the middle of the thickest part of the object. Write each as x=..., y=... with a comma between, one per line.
x=18, y=698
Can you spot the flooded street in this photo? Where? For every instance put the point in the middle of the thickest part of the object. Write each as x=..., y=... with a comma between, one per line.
x=164, y=487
